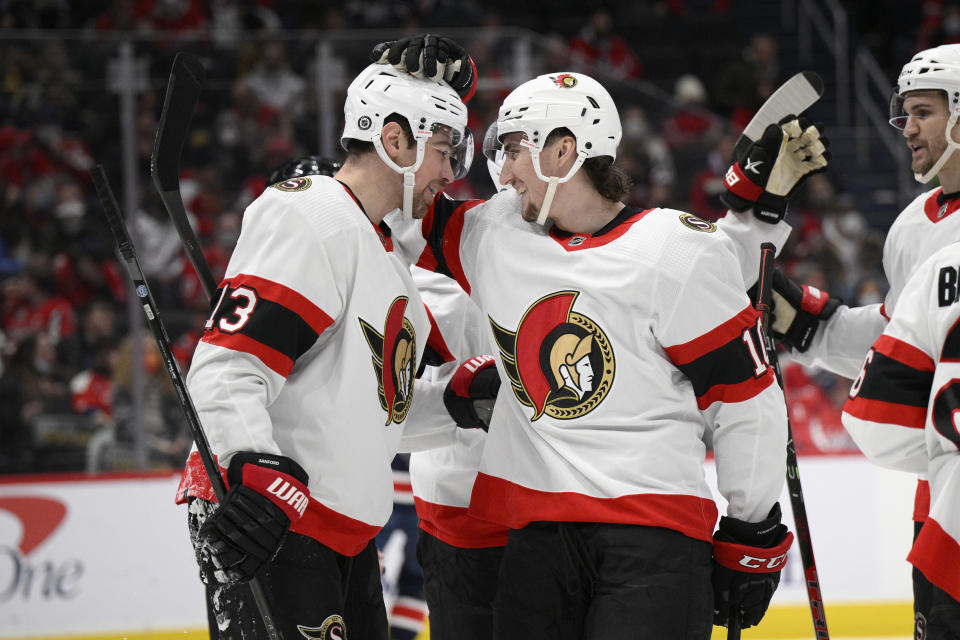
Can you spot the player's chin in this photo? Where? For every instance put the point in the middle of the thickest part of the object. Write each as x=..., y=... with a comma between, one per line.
x=530, y=213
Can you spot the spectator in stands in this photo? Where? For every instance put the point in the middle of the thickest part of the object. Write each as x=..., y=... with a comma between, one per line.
x=162, y=420
x=743, y=85
x=275, y=83
x=708, y=183
x=690, y=122
x=596, y=48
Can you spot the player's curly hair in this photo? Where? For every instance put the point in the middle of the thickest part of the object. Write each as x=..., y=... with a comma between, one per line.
x=609, y=181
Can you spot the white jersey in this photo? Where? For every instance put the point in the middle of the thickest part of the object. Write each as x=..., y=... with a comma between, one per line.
x=442, y=478
x=617, y=350
x=310, y=352
x=926, y=225
x=901, y=410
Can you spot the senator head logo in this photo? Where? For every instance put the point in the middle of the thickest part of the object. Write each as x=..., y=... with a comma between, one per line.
x=560, y=363
x=332, y=628
x=564, y=80
x=394, y=360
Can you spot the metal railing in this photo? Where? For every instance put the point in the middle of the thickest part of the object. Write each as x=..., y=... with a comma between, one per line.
x=833, y=33
x=871, y=85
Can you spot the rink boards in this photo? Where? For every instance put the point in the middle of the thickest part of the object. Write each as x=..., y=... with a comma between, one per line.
x=108, y=556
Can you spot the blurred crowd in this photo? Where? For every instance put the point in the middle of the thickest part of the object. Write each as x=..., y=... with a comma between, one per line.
x=68, y=375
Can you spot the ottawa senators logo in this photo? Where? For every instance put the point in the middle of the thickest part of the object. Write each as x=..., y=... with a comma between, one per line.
x=565, y=80
x=559, y=362
x=332, y=628
x=394, y=360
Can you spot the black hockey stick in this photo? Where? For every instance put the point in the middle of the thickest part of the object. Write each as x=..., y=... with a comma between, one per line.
x=128, y=252
x=763, y=305
x=183, y=91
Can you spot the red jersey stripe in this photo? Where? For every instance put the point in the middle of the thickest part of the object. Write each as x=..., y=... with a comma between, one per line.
x=580, y=241
x=276, y=292
x=886, y=412
x=904, y=353
x=516, y=506
x=716, y=337
x=735, y=392
x=937, y=555
x=921, y=501
x=456, y=527
x=274, y=359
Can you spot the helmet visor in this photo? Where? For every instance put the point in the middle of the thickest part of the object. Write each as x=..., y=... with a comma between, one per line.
x=492, y=146
x=460, y=153
x=898, y=116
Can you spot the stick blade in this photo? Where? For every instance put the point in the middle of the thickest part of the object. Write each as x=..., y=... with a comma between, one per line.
x=794, y=96
x=183, y=92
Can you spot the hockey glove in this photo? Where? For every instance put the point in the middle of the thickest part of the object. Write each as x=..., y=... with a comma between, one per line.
x=267, y=493
x=747, y=560
x=773, y=167
x=430, y=56
x=471, y=392
x=797, y=311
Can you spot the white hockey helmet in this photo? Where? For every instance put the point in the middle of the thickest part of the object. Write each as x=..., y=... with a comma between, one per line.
x=552, y=101
x=936, y=69
x=379, y=91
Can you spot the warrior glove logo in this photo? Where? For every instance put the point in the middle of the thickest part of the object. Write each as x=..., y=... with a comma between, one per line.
x=559, y=362
x=394, y=360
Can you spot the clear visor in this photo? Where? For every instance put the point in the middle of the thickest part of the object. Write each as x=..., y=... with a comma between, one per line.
x=461, y=148
x=492, y=147
x=898, y=117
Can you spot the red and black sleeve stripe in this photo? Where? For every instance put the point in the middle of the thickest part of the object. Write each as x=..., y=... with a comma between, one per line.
x=442, y=228
x=265, y=319
x=725, y=364
x=896, y=385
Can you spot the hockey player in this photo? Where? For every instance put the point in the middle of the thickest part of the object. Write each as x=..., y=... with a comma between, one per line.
x=624, y=334
x=905, y=400
x=822, y=332
x=573, y=355
x=304, y=379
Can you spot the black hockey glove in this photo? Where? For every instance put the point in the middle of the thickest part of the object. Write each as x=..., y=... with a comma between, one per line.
x=747, y=560
x=797, y=311
x=772, y=168
x=471, y=392
x=267, y=493
x=433, y=57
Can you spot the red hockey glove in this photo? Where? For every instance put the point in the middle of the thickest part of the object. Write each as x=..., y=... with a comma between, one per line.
x=471, y=392
x=433, y=57
x=747, y=560
x=797, y=311
x=773, y=167
x=267, y=493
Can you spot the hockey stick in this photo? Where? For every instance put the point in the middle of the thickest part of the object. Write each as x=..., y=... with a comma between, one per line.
x=794, y=96
x=125, y=245
x=183, y=91
x=763, y=305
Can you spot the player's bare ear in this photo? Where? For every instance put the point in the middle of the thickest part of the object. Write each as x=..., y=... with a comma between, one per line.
x=393, y=139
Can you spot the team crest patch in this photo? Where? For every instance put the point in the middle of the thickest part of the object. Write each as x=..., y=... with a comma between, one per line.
x=697, y=224
x=293, y=184
x=332, y=628
x=394, y=360
x=565, y=80
x=560, y=363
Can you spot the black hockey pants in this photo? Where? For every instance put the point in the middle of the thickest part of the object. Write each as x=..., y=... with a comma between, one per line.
x=585, y=581
x=459, y=585
x=312, y=591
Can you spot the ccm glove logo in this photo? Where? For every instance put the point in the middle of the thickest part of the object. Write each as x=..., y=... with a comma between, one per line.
x=750, y=559
x=755, y=563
